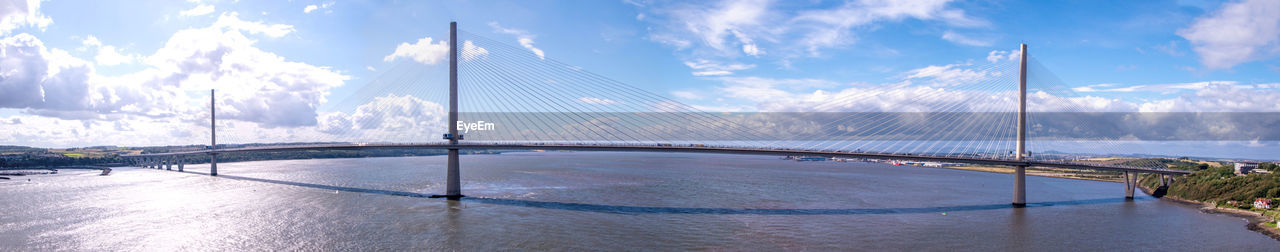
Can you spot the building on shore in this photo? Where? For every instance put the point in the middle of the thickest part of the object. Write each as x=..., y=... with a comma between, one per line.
x=1262, y=203
x=1245, y=168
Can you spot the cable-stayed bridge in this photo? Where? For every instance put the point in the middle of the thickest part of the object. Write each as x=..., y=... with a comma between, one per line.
x=519, y=100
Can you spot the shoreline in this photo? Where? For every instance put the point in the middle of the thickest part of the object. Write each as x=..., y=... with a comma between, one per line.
x=1029, y=173
x=1256, y=219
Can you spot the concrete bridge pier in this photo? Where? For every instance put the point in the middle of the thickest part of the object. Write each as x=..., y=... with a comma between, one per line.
x=1020, y=186
x=180, y=166
x=1130, y=182
x=453, y=185
x=168, y=164
x=213, y=164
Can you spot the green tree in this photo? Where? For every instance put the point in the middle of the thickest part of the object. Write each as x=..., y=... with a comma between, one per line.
x=1268, y=166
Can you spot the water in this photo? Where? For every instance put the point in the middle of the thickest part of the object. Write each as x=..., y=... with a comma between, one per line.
x=592, y=200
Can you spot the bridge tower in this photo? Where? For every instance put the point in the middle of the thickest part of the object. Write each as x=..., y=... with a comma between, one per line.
x=213, y=137
x=453, y=187
x=1020, y=171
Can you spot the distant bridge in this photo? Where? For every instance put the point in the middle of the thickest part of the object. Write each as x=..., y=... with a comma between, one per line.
x=453, y=191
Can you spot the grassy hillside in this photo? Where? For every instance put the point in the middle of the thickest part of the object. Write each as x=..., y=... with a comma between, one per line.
x=1221, y=185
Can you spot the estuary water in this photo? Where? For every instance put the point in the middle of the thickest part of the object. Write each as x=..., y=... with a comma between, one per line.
x=592, y=201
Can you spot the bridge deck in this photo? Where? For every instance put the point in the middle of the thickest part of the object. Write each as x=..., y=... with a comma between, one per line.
x=688, y=149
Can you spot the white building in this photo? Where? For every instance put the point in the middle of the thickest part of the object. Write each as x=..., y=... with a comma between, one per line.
x=1245, y=168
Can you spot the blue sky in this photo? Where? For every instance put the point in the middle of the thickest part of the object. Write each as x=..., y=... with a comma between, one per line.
x=147, y=65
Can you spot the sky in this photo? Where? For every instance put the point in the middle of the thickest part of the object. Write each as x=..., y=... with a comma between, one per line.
x=131, y=73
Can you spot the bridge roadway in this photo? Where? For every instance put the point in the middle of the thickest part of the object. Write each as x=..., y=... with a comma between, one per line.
x=681, y=148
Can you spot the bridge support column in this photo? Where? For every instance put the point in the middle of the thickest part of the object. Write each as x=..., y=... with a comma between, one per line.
x=213, y=164
x=1020, y=186
x=168, y=164
x=1020, y=172
x=213, y=135
x=453, y=185
x=1164, y=180
x=1130, y=181
x=180, y=166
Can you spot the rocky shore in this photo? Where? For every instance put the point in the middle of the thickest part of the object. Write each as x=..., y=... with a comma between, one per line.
x=1256, y=220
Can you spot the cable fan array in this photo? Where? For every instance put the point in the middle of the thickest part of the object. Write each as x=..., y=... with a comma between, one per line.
x=508, y=94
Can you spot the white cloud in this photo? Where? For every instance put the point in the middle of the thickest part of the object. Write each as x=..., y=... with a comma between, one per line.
x=261, y=96
x=32, y=130
x=370, y=68
x=791, y=95
x=107, y=55
x=952, y=75
x=759, y=89
x=595, y=100
x=1041, y=101
x=199, y=10
x=1219, y=98
x=774, y=95
x=422, y=51
x=91, y=41
x=831, y=28
x=36, y=77
x=232, y=21
x=1162, y=88
x=997, y=55
x=471, y=51
x=727, y=29
x=1236, y=33
x=739, y=18
x=523, y=37
x=254, y=85
x=386, y=118
x=15, y=14
x=323, y=6
x=671, y=40
x=751, y=49
x=704, y=67
x=686, y=95
x=965, y=40
x=399, y=113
